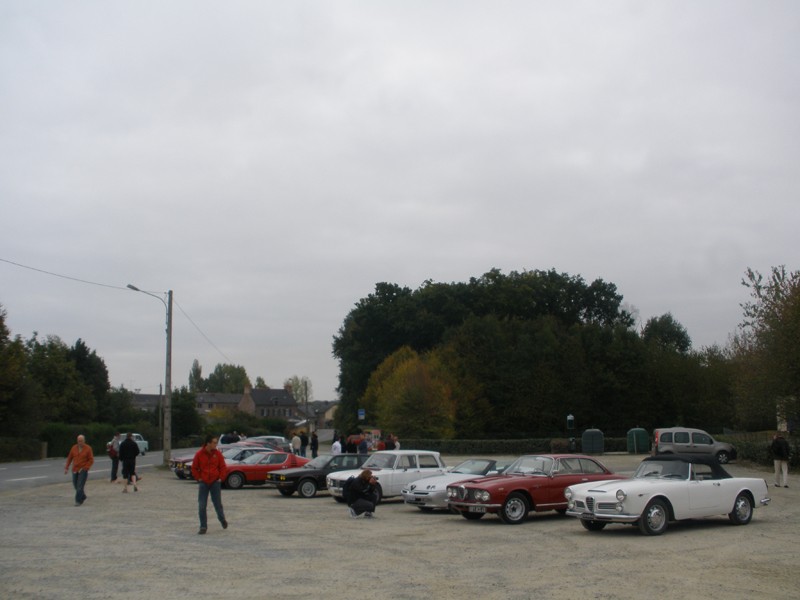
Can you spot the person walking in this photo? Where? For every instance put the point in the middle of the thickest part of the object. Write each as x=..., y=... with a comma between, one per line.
x=303, y=443
x=113, y=453
x=363, y=495
x=128, y=451
x=314, y=445
x=209, y=470
x=780, y=455
x=296, y=444
x=336, y=447
x=82, y=458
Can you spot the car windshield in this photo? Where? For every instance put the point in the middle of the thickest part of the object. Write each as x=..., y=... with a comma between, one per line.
x=473, y=467
x=254, y=459
x=530, y=465
x=666, y=469
x=231, y=452
x=379, y=460
x=319, y=462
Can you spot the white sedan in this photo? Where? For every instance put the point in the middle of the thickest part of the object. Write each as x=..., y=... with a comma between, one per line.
x=393, y=469
x=667, y=488
x=431, y=492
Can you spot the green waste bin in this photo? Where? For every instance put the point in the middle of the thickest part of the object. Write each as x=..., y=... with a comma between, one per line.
x=593, y=441
x=638, y=441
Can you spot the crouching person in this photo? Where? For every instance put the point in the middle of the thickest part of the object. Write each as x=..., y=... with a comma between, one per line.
x=363, y=495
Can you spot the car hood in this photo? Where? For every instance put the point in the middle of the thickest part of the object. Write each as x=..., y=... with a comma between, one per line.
x=442, y=481
x=631, y=485
x=493, y=480
x=293, y=471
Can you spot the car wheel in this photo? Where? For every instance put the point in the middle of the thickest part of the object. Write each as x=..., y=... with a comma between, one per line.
x=235, y=481
x=514, y=509
x=723, y=457
x=378, y=495
x=285, y=492
x=742, y=510
x=472, y=516
x=655, y=518
x=307, y=488
x=593, y=525
x=339, y=500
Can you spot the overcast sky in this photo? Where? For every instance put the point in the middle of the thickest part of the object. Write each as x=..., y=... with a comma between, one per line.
x=270, y=162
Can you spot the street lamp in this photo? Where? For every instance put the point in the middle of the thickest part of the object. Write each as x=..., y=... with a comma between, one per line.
x=167, y=433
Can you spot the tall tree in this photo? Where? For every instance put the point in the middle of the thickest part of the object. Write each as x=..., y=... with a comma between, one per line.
x=18, y=414
x=196, y=382
x=227, y=379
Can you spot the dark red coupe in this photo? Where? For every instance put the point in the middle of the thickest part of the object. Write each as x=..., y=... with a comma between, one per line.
x=532, y=482
x=253, y=469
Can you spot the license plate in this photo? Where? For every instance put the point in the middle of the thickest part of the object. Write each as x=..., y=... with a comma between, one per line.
x=479, y=509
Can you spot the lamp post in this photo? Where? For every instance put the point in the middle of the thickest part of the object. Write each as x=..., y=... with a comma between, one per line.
x=167, y=408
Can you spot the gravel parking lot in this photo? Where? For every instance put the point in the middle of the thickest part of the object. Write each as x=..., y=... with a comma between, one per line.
x=146, y=545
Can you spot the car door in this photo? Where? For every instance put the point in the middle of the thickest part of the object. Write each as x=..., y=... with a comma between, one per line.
x=701, y=443
x=706, y=493
x=566, y=472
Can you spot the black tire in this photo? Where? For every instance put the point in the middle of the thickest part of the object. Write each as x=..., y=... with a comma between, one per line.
x=593, y=525
x=723, y=457
x=514, y=509
x=742, y=509
x=655, y=518
x=307, y=488
x=425, y=509
x=235, y=480
x=338, y=499
x=472, y=516
x=378, y=495
x=285, y=492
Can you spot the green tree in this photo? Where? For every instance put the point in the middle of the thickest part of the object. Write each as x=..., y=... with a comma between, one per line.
x=63, y=394
x=227, y=379
x=186, y=421
x=196, y=382
x=767, y=348
x=667, y=333
x=18, y=414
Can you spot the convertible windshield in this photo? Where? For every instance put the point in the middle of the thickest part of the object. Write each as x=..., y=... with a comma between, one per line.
x=530, y=465
x=379, y=461
x=473, y=467
x=666, y=469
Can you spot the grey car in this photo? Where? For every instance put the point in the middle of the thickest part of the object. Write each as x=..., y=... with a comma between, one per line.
x=685, y=440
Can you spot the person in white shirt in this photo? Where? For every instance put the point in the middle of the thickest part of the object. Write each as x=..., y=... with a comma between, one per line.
x=336, y=447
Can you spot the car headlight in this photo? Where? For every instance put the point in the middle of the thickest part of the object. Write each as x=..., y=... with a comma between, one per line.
x=570, y=504
x=621, y=495
x=451, y=493
x=481, y=495
x=568, y=493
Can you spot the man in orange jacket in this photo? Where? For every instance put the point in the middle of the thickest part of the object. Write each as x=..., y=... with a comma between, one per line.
x=209, y=470
x=82, y=459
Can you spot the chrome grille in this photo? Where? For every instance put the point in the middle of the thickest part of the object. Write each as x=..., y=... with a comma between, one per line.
x=590, y=503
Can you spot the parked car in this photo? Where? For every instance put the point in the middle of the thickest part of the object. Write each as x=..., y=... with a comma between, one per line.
x=531, y=483
x=253, y=469
x=684, y=440
x=431, y=492
x=144, y=445
x=181, y=465
x=310, y=478
x=393, y=469
x=667, y=488
x=278, y=442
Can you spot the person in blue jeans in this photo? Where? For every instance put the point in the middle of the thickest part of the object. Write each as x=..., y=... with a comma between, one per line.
x=209, y=470
x=81, y=458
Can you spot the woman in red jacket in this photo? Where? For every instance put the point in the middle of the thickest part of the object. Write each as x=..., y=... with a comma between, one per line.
x=209, y=470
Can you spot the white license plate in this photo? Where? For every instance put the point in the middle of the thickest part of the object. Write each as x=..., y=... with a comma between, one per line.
x=480, y=509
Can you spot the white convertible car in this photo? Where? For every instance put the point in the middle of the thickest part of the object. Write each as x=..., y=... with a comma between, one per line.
x=431, y=492
x=667, y=488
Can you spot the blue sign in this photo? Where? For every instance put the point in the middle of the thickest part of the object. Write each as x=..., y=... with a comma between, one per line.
x=362, y=414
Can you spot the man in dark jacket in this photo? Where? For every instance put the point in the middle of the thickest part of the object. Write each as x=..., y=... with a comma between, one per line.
x=363, y=495
x=128, y=451
x=780, y=455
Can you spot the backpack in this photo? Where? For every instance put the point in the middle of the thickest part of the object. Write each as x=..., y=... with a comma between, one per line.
x=347, y=492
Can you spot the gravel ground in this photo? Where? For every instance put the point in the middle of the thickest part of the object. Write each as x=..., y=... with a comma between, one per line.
x=146, y=545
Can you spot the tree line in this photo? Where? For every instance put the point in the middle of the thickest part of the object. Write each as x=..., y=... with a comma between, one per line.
x=512, y=355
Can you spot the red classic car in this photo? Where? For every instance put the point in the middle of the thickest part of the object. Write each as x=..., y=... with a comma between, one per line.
x=532, y=482
x=253, y=469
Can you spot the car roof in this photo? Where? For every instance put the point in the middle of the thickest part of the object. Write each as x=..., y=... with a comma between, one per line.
x=401, y=452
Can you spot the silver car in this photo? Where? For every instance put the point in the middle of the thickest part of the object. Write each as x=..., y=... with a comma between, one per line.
x=431, y=493
x=685, y=440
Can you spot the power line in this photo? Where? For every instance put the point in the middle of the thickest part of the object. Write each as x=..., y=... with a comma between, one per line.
x=116, y=287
